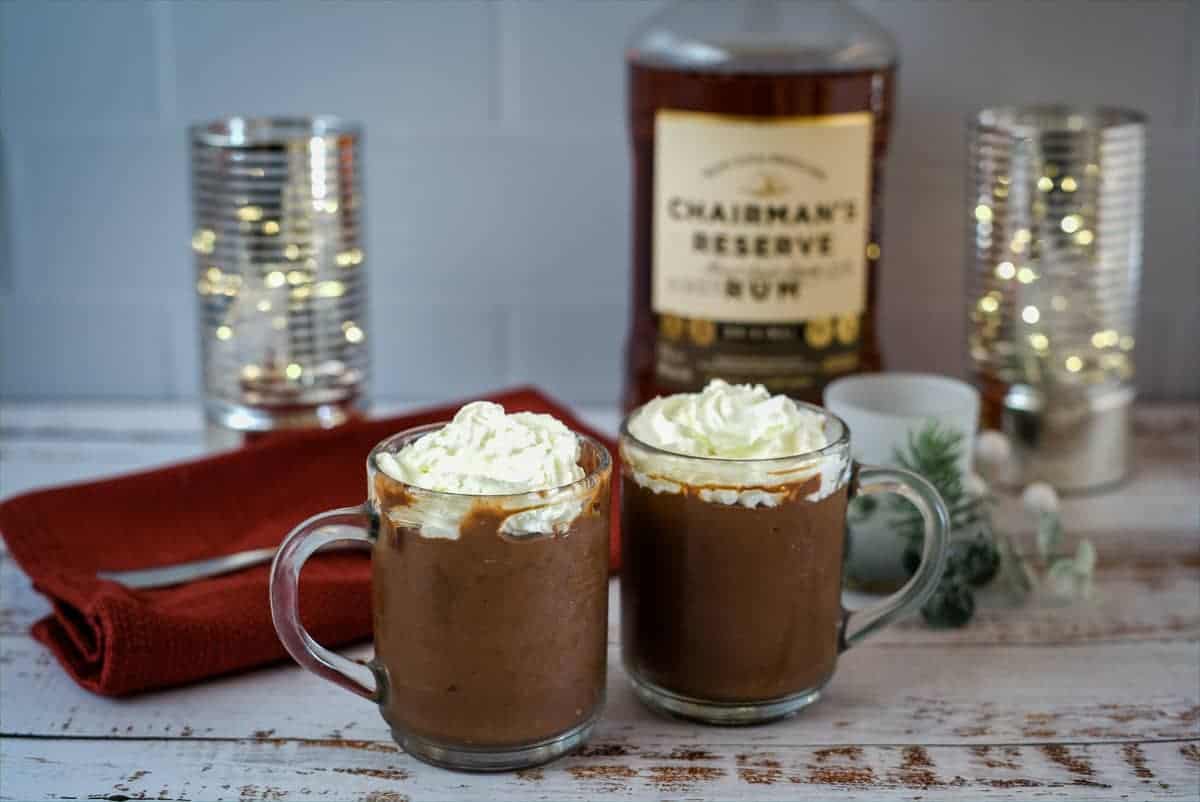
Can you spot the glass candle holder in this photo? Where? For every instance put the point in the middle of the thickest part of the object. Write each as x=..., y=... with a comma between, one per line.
x=1055, y=199
x=280, y=272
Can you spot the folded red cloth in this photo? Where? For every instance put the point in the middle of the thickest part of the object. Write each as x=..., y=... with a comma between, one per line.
x=116, y=641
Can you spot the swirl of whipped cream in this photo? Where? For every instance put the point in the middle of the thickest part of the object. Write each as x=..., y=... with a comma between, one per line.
x=485, y=452
x=737, y=422
x=729, y=421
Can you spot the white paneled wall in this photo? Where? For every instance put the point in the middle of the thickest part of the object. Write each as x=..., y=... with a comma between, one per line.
x=497, y=177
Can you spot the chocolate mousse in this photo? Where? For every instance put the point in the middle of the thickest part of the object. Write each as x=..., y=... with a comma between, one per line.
x=730, y=603
x=733, y=520
x=490, y=639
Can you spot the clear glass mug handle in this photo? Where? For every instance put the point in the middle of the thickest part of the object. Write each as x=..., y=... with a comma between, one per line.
x=872, y=480
x=300, y=544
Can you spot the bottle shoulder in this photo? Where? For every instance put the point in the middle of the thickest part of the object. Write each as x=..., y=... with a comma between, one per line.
x=762, y=36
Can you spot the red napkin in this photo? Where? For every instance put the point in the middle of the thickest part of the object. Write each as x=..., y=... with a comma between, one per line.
x=116, y=641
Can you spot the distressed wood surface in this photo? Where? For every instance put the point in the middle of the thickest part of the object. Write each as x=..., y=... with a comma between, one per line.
x=285, y=770
x=1097, y=700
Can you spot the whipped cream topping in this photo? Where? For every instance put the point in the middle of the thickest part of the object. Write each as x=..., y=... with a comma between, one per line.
x=485, y=452
x=731, y=426
x=729, y=421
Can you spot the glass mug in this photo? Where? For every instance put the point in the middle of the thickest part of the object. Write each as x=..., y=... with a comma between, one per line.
x=731, y=574
x=490, y=642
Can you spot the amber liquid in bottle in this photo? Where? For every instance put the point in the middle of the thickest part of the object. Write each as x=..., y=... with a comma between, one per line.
x=783, y=356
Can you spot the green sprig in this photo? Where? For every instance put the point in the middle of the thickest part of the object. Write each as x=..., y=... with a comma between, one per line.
x=935, y=452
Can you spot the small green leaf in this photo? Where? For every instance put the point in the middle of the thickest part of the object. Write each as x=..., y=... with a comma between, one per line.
x=1049, y=535
x=1071, y=577
x=1015, y=571
x=1085, y=557
x=1060, y=578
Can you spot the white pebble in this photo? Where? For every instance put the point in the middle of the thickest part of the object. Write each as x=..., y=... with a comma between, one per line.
x=1039, y=498
x=974, y=485
x=992, y=448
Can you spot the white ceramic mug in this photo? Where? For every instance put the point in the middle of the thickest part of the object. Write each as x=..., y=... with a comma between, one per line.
x=882, y=409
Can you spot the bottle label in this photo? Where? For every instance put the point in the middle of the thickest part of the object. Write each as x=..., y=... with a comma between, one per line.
x=760, y=246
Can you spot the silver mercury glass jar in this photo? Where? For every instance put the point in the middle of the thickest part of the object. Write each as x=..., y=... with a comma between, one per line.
x=1055, y=205
x=280, y=272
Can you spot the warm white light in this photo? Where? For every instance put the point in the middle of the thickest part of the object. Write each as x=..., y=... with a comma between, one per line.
x=349, y=258
x=271, y=227
x=1074, y=364
x=330, y=289
x=224, y=332
x=250, y=214
x=1005, y=270
x=1039, y=341
x=1045, y=183
x=203, y=240
x=293, y=371
x=1030, y=314
x=1026, y=275
x=989, y=304
x=292, y=251
x=1019, y=239
x=275, y=279
x=1071, y=223
x=1084, y=237
x=983, y=213
x=1068, y=184
x=872, y=251
x=354, y=334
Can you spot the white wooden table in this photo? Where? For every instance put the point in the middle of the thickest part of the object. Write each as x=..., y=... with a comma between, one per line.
x=1089, y=701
